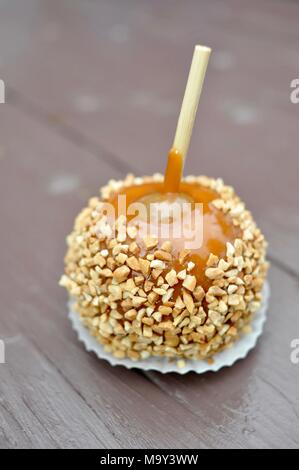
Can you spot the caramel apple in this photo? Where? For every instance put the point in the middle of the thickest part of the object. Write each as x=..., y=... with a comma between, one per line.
x=146, y=297
x=141, y=285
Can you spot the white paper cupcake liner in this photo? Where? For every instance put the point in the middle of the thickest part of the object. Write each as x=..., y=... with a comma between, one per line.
x=225, y=358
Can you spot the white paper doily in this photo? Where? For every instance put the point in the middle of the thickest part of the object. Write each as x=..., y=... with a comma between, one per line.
x=225, y=358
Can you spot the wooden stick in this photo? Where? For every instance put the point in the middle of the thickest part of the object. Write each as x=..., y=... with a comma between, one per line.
x=191, y=98
x=186, y=120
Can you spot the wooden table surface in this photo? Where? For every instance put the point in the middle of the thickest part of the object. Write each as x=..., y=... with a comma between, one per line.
x=93, y=90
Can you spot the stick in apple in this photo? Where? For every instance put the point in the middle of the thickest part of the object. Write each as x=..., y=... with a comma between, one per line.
x=178, y=152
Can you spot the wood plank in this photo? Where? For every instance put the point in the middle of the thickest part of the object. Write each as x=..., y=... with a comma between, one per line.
x=115, y=73
x=39, y=409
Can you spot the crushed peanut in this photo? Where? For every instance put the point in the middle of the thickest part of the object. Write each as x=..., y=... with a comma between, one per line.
x=214, y=273
x=163, y=255
x=150, y=242
x=121, y=274
x=157, y=264
x=182, y=274
x=167, y=246
x=190, y=266
x=133, y=263
x=145, y=266
x=190, y=282
x=188, y=301
x=212, y=260
x=171, y=278
x=183, y=256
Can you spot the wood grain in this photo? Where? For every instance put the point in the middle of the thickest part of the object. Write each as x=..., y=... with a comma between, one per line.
x=40, y=409
x=78, y=88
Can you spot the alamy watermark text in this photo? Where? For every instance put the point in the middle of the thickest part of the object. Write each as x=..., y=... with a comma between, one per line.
x=2, y=92
x=2, y=352
x=295, y=351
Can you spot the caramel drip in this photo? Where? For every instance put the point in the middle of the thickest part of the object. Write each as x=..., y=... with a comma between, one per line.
x=174, y=171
